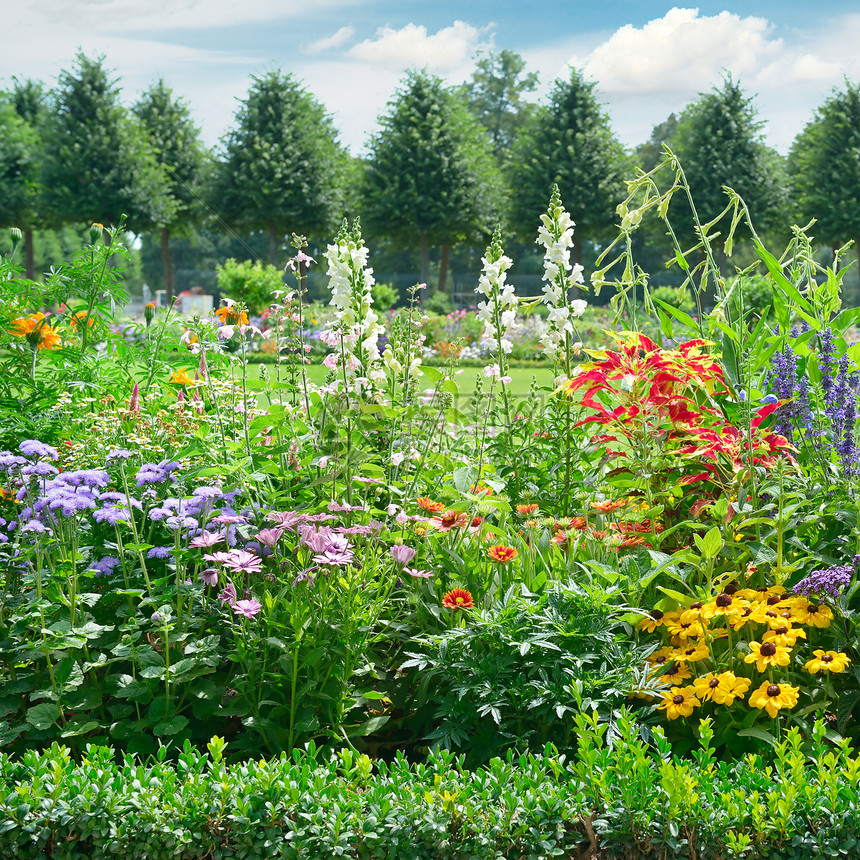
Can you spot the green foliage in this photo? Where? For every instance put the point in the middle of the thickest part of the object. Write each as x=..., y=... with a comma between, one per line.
x=430, y=172
x=719, y=142
x=177, y=146
x=280, y=169
x=495, y=95
x=251, y=283
x=385, y=297
x=615, y=798
x=823, y=165
x=570, y=143
x=514, y=675
x=99, y=165
x=20, y=160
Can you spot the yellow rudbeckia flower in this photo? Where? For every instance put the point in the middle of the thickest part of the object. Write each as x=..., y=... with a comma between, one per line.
x=679, y=702
x=766, y=654
x=774, y=697
x=827, y=661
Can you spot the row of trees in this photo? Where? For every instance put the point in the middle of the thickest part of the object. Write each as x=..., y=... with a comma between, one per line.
x=444, y=166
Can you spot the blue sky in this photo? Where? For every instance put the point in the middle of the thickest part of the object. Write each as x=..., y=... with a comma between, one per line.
x=648, y=58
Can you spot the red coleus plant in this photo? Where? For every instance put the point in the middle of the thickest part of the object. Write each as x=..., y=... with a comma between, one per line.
x=659, y=414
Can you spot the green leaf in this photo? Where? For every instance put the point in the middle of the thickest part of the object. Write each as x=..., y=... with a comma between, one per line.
x=712, y=543
x=43, y=716
x=368, y=727
x=170, y=727
x=761, y=734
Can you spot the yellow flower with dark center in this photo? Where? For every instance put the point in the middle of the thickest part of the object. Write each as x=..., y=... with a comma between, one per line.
x=815, y=614
x=743, y=617
x=729, y=688
x=774, y=697
x=676, y=672
x=685, y=629
x=679, y=702
x=651, y=621
x=785, y=635
x=827, y=661
x=693, y=613
x=692, y=653
x=766, y=654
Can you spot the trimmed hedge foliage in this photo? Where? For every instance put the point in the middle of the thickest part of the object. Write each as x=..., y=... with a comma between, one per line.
x=622, y=800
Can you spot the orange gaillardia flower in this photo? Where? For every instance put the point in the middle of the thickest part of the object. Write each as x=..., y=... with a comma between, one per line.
x=502, y=554
x=429, y=505
x=525, y=510
x=458, y=598
x=774, y=697
x=36, y=330
x=605, y=507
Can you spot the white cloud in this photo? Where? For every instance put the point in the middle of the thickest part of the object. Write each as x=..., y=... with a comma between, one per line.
x=341, y=37
x=411, y=46
x=681, y=52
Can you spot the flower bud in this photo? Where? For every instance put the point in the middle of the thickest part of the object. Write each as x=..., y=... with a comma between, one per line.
x=149, y=312
x=16, y=235
x=96, y=232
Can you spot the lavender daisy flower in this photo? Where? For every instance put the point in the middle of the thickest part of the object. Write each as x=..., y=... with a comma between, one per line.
x=240, y=561
x=269, y=537
x=205, y=539
x=418, y=574
x=228, y=519
x=35, y=448
x=402, y=554
x=247, y=608
x=228, y=595
x=209, y=576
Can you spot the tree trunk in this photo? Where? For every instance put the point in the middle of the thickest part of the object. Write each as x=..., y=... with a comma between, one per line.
x=167, y=264
x=443, y=269
x=424, y=247
x=273, y=244
x=29, y=264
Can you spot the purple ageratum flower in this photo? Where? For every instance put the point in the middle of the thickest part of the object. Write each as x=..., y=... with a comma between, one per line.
x=120, y=455
x=159, y=552
x=111, y=514
x=93, y=478
x=10, y=462
x=207, y=492
x=828, y=581
x=247, y=608
x=68, y=504
x=40, y=468
x=402, y=554
x=206, y=539
x=35, y=448
x=180, y=522
x=156, y=473
x=105, y=565
x=34, y=526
